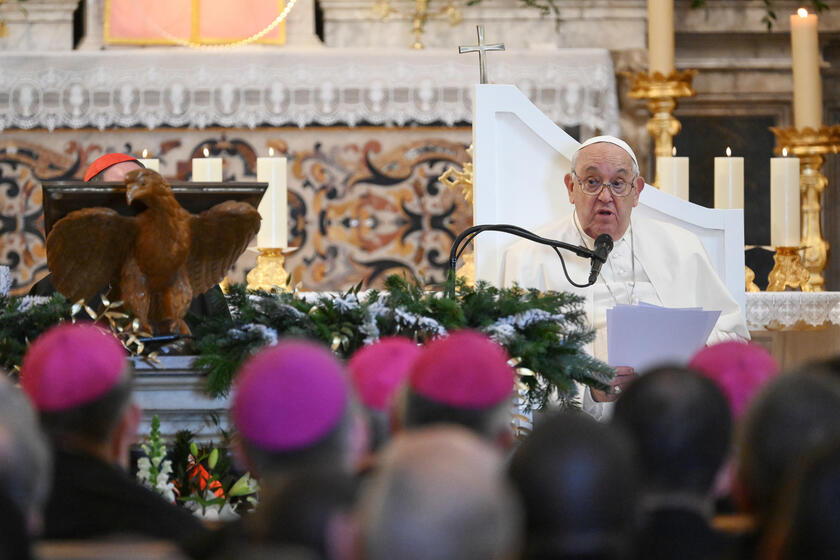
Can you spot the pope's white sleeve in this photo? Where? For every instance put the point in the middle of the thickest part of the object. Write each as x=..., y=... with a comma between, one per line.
x=599, y=411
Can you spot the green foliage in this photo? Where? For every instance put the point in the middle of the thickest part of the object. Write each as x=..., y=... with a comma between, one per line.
x=23, y=319
x=545, y=332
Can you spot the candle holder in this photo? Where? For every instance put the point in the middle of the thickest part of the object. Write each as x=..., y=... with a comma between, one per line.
x=811, y=146
x=269, y=274
x=749, y=280
x=420, y=16
x=662, y=93
x=463, y=179
x=788, y=272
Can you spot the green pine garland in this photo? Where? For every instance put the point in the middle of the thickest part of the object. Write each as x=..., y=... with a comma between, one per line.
x=23, y=319
x=545, y=332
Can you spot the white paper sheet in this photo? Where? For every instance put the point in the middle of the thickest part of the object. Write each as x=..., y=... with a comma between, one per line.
x=645, y=336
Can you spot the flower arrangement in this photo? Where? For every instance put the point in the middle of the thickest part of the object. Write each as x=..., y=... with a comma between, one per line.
x=201, y=481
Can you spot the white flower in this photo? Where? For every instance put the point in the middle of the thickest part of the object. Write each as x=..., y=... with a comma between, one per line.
x=501, y=333
x=5, y=280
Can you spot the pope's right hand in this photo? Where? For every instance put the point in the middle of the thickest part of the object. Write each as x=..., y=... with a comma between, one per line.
x=624, y=375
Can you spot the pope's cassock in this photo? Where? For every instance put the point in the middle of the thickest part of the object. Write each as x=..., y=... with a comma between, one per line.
x=654, y=262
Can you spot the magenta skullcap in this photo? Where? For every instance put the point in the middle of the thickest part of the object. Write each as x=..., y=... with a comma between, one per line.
x=379, y=370
x=739, y=368
x=71, y=365
x=465, y=369
x=289, y=396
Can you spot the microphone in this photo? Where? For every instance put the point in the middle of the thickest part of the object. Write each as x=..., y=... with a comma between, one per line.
x=603, y=246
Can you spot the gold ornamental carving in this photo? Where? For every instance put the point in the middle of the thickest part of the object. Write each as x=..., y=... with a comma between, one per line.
x=421, y=14
x=788, y=272
x=463, y=179
x=811, y=147
x=270, y=274
x=662, y=93
x=749, y=280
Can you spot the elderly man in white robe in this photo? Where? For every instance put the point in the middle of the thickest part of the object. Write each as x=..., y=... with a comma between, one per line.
x=652, y=261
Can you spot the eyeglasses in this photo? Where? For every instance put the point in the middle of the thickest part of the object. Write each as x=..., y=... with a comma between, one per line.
x=593, y=186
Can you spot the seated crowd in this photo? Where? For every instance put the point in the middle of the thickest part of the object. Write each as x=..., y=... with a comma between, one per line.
x=407, y=453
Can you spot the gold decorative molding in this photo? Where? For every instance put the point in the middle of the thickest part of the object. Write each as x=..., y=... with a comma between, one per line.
x=383, y=8
x=662, y=93
x=788, y=272
x=811, y=147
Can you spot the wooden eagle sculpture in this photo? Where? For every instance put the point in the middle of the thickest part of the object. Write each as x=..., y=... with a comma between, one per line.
x=156, y=261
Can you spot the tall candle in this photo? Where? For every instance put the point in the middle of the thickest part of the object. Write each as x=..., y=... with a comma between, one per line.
x=807, y=86
x=207, y=169
x=274, y=229
x=673, y=175
x=729, y=181
x=784, y=202
x=149, y=163
x=660, y=36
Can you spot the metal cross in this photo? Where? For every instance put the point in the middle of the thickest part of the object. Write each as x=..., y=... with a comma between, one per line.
x=481, y=49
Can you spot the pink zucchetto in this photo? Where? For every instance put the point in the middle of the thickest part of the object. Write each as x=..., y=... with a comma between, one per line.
x=465, y=369
x=739, y=368
x=379, y=370
x=289, y=396
x=71, y=365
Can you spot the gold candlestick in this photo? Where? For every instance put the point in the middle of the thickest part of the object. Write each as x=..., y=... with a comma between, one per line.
x=811, y=146
x=788, y=271
x=662, y=93
x=269, y=274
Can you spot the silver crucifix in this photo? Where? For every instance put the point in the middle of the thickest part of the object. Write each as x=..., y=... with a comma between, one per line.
x=481, y=49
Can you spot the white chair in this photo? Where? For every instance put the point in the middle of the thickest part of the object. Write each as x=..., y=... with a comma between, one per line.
x=520, y=157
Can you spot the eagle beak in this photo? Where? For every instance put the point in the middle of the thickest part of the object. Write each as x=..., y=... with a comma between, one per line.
x=131, y=192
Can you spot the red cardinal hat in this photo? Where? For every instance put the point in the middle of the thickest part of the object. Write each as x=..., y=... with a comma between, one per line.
x=465, y=369
x=71, y=365
x=289, y=396
x=379, y=370
x=103, y=162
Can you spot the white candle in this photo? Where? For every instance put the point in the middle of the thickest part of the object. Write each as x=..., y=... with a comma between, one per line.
x=784, y=202
x=807, y=86
x=274, y=229
x=673, y=175
x=729, y=181
x=149, y=163
x=660, y=36
x=207, y=169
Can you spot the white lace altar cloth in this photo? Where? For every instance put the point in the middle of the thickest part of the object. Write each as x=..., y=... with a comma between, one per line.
x=788, y=308
x=276, y=87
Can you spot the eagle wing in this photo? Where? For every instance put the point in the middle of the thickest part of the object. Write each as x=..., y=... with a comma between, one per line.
x=219, y=235
x=86, y=250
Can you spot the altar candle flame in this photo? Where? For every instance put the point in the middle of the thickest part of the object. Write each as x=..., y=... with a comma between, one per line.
x=784, y=152
x=728, y=151
x=145, y=153
x=802, y=12
x=206, y=152
x=270, y=152
x=674, y=151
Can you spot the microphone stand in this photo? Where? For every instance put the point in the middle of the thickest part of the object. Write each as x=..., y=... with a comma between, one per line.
x=466, y=236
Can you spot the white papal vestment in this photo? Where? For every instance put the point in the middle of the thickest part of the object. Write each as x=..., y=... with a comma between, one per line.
x=672, y=269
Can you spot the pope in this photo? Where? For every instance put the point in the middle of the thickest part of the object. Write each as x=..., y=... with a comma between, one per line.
x=652, y=261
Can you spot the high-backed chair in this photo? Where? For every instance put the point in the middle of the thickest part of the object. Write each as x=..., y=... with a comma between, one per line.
x=520, y=157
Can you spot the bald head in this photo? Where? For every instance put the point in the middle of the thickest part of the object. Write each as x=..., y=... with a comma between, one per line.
x=440, y=494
